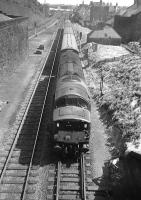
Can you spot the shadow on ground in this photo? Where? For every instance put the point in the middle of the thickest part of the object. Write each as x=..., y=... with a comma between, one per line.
x=124, y=176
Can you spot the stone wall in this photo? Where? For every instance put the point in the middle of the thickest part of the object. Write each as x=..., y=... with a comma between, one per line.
x=13, y=42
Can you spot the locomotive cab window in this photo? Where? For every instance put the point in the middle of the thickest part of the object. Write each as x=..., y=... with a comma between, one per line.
x=72, y=100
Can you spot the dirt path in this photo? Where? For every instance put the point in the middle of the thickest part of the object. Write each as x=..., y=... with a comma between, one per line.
x=98, y=140
x=100, y=155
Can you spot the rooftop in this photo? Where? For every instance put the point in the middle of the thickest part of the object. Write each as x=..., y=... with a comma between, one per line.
x=132, y=10
x=106, y=32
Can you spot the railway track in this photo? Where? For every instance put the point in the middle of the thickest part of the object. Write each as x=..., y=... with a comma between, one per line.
x=20, y=161
x=71, y=179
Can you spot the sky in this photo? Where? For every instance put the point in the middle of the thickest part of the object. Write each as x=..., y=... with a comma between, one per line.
x=120, y=2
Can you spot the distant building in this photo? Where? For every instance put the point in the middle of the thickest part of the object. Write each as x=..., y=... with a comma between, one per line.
x=98, y=12
x=81, y=14
x=46, y=10
x=128, y=24
x=107, y=35
x=84, y=12
x=113, y=9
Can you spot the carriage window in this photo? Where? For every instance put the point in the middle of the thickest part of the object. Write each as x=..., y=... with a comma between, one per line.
x=72, y=101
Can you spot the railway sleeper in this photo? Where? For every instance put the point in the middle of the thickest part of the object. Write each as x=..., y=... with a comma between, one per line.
x=3, y=154
x=73, y=180
x=10, y=196
x=14, y=188
x=68, y=171
x=16, y=161
x=21, y=167
x=96, y=188
x=20, y=173
x=3, y=159
x=21, y=154
x=71, y=175
x=26, y=147
x=25, y=142
x=24, y=154
x=70, y=197
x=19, y=180
x=70, y=187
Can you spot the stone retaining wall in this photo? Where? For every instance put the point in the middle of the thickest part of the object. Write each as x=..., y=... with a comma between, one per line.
x=13, y=42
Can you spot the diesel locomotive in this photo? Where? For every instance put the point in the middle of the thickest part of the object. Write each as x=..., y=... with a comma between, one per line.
x=71, y=114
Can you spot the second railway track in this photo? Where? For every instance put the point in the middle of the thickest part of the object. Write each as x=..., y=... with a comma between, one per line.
x=19, y=162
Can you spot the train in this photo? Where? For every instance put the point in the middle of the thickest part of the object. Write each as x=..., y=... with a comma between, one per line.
x=71, y=112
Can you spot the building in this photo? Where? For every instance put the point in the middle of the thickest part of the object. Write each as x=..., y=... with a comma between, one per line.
x=46, y=9
x=128, y=25
x=98, y=12
x=107, y=35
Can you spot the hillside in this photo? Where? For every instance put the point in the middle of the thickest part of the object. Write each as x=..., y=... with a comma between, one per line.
x=26, y=8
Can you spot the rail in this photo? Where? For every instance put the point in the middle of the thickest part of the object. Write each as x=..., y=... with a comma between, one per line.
x=83, y=178
x=68, y=180
x=58, y=180
x=39, y=125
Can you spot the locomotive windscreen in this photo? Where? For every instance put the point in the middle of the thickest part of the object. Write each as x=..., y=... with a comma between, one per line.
x=72, y=100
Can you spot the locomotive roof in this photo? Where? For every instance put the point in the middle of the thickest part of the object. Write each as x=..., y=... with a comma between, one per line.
x=72, y=87
x=69, y=42
x=70, y=68
x=68, y=30
x=71, y=56
x=70, y=64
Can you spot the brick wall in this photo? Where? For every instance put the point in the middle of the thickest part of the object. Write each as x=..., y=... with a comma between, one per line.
x=129, y=28
x=123, y=26
x=13, y=42
x=137, y=27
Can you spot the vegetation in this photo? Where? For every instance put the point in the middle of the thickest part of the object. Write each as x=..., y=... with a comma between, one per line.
x=120, y=93
x=26, y=8
x=76, y=18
